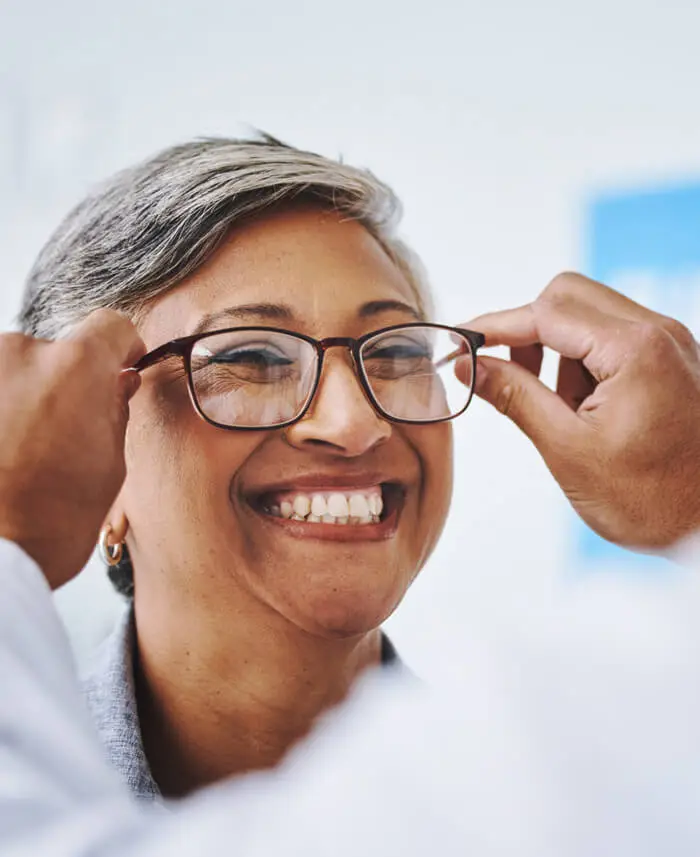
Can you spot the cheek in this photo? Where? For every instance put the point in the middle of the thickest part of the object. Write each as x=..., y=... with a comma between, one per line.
x=179, y=468
x=434, y=447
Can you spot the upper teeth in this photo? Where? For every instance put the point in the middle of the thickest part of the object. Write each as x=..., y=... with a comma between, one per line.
x=355, y=507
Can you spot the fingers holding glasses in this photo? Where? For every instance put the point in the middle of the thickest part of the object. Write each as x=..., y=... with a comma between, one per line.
x=109, y=340
x=582, y=290
x=592, y=328
x=112, y=334
x=518, y=393
x=620, y=434
x=561, y=323
x=62, y=423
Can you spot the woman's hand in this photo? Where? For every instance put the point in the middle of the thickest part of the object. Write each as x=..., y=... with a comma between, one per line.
x=621, y=434
x=63, y=414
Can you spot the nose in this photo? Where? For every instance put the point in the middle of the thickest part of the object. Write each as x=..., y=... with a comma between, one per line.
x=341, y=420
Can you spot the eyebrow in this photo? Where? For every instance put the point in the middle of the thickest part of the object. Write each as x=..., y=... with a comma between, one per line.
x=283, y=312
x=245, y=312
x=377, y=307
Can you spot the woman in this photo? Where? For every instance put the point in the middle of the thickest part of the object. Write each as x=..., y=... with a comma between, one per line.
x=282, y=492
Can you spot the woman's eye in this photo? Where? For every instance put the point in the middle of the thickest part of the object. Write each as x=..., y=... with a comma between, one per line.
x=400, y=351
x=251, y=357
x=399, y=359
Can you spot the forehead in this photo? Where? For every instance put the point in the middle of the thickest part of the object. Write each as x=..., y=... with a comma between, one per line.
x=330, y=276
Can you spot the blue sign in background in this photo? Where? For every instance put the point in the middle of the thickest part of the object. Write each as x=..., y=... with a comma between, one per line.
x=645, y=244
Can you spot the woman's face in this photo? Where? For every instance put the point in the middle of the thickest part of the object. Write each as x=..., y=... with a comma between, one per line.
x=197, y=497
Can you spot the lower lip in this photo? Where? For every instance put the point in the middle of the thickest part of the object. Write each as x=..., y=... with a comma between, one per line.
x=382, y=531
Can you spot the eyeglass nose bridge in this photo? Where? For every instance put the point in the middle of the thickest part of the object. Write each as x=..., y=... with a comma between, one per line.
x=340, y=342
x=336, y=342
x=352, y=345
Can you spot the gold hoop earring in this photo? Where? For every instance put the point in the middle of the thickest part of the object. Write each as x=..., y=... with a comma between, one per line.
x=111, y=554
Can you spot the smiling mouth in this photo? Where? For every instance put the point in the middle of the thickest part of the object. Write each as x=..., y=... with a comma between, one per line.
x=369, y=508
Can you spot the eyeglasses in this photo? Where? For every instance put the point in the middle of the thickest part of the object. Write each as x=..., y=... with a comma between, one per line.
x=252, y=378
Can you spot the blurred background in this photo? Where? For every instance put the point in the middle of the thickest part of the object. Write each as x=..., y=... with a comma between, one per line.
x=524, y=138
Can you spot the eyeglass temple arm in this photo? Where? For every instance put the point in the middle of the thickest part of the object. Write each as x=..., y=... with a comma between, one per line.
x=159, y=354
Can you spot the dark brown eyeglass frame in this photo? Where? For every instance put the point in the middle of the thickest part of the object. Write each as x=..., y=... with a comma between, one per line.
x=183, y=347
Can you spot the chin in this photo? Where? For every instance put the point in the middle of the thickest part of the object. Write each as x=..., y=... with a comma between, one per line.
x=334, y=614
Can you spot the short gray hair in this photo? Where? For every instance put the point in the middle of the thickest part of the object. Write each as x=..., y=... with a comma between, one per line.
x=151, y=226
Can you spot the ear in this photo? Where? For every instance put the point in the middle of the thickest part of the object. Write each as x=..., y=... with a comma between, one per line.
x=120, y=526
x=118, y=521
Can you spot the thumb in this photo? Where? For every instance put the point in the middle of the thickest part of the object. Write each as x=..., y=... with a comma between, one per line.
x=518, y=394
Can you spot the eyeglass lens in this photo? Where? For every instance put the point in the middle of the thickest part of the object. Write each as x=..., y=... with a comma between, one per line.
x=258, y=378
x=411, y=372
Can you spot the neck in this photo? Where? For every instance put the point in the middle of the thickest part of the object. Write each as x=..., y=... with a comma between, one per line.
x=215, y=704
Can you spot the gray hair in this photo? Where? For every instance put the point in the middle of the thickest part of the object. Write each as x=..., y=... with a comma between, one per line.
x=151, y=226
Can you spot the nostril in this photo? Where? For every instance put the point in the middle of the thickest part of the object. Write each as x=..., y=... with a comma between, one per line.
x=322, y=444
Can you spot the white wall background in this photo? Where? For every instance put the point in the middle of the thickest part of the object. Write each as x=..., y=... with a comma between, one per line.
x=494, y=122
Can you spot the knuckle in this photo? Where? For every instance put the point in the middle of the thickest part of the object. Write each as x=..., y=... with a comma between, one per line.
x=549, y=306
x=561, y=287
x=653, y=345
x=557, y=302
x=647, y=335
x=105, y=314
x=544, y=304
x=680, y=333
x=78, y=352
x=18, y=349
x=115, y=331
x=109, y=319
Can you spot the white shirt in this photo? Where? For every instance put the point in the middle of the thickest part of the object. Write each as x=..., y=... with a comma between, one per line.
x=398, y=772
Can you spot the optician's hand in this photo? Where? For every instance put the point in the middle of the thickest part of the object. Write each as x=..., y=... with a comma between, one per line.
x=63, y=416
x=622, y=433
